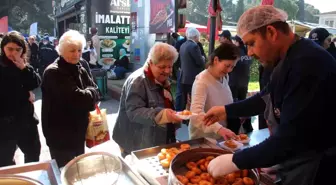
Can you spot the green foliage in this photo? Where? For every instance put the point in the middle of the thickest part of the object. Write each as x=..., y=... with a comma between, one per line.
x=290, y=6
x=239, y=9
x=22, y=13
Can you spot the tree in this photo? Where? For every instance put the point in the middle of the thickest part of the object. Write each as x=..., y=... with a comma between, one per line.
x=22, y=13
x=310, y=13
x=301, y=12
x=239, y=9
x=289, y=6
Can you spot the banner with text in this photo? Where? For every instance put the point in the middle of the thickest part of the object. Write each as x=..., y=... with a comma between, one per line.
x=111, y=17
x=162, y=17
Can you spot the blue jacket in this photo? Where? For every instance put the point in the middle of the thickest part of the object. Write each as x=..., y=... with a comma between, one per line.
x=303, y=90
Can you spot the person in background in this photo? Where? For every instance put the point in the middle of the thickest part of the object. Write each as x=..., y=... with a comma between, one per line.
x=47, y=55
x=299, y=96
x=18, y=120
x=323, y=38
x=90, y=54
x=55, y=42
x=211, y=88
x=332, y=49
x=95, y=41
x=146, y=111
x=120, y=66
x=225, y=36
x=1, y=36
x=177, y=69
x=264, y=78
x=33, y=52
x=68, y=95
x=239, y=80
x=192, y=63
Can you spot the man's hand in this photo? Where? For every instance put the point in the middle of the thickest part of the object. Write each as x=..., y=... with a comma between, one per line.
x=215, y=114
x=31, y=97
x=222, y=165
x=226, y=133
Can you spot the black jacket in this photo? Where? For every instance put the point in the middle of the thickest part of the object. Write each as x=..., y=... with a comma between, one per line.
x=240, y=75
x=68, y=94
x=33, y=54
x=47, y=55
x=302, y=92
x=15, y=86
x=123, y=62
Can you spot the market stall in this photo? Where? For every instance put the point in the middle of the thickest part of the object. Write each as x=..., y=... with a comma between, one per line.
x=142, y=168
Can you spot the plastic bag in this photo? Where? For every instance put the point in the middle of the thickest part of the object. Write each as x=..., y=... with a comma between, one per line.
x=97, y=131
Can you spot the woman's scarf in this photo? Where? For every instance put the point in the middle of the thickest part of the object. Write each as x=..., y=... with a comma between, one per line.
x=122, y=53
x=165, y=93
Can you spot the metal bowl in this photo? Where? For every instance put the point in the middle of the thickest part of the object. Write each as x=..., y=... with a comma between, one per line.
x=17, y=180
x=92, y=168
x=178, y=164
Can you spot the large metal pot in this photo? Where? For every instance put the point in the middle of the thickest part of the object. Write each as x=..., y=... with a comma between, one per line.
x=92, y=168
x=17, y=180
x=178, y=164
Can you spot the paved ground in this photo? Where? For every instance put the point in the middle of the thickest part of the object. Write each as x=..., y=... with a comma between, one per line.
x=112, y=106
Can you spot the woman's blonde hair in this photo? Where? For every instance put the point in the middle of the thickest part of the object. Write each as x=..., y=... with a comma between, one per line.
x=161, y=51
x=68, y=38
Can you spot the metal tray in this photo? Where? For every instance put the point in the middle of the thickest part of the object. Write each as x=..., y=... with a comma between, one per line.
x=130, y=177
x=149, y=166
x=44, y=172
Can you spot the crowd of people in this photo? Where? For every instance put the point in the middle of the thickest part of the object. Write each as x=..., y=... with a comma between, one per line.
x=298, y=77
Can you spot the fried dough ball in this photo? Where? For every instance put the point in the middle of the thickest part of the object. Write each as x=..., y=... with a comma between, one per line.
x=182, y=179
x=173, y=150
x=209, y=158
x=222, y=181
x=248, y=181
x=182, y=150
x=203, y=168
x=161, y=156
x=190, y=174
x=244, y=173
x=165, y=163
x=191, y=184
x=170, y=156
x=239, y=181
x=164, y=150
x=231, y=177
x=237, y=174
x=205, y=176
x=191, y=165
x=196, y=170
x=211, y=180
x=202, y=161
x=230, y=144
x=204, y=182
x=243, y=137
x=195, y=179
x=206, y=164
x=185, y=146
x=186, y=113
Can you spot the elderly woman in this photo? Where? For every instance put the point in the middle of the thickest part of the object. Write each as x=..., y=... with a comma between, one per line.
x=68, y=95
x=146, y=115
x=17, y=119
x=211, y=88
x=120, y=66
